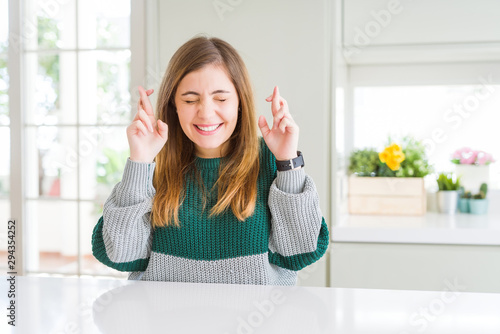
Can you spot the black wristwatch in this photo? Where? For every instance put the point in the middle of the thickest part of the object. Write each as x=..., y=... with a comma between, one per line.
x=284, y=165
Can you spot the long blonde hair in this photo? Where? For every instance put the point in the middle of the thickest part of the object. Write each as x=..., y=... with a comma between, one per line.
x=237, y=182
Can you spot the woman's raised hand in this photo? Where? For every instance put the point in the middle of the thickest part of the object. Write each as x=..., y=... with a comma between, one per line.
x=146, y=135
x=283, y=138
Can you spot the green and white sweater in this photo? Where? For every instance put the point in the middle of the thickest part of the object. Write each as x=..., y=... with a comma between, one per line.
x=286, y=233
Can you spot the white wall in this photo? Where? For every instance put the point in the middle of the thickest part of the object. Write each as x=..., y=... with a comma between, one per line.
x=407, y=31
x=405, y=22
x=284, y=43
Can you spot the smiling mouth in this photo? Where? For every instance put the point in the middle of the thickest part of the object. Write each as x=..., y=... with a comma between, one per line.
x=208, y=128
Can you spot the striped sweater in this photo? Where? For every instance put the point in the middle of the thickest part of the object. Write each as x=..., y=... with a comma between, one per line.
x=286, y=232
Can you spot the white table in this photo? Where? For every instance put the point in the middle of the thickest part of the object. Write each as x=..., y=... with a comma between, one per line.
x=84, y=305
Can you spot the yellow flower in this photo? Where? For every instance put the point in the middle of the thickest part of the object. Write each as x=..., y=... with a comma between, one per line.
x=392, y=156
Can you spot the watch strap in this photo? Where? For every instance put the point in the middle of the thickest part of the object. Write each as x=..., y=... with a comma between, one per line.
x=284, y=165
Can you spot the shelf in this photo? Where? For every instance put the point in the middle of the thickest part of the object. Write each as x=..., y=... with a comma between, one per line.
x=431, y=228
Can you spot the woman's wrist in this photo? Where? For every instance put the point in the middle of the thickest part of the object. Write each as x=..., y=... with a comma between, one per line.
x=290, y=164
x=283, y=158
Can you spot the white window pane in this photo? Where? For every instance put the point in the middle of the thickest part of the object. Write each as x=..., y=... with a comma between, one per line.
x=59, y=152
x=4, y=162
x=52, y=161
x=4, y=216
x=4, y=195
x=4, y=135
x=4, y=25
x=50, y=88
x=51, y=238
x=104, y=80
x=89, y=215
x=104, y=23
x=49, y=24
x=4, y=91
x=446, y=118
x=103, y=154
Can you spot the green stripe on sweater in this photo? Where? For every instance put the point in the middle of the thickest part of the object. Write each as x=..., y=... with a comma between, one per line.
x=300, y=261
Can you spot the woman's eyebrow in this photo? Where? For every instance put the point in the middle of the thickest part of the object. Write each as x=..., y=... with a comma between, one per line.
x=214, y=92
x=219, y=91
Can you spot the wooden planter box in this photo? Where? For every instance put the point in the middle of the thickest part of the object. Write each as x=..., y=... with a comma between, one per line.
x=387, y=196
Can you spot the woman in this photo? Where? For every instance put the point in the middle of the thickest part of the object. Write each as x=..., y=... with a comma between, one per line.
x=203, y=198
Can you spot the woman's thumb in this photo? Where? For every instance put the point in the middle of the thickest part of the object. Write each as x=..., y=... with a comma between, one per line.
x=162, y=129
x=264, y=127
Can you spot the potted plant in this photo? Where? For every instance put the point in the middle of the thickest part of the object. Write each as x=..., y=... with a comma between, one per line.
x=447, y=195
x=479, y=202
x=364, y=162
x=389, y=182
x=464, y=199
x=472, y=166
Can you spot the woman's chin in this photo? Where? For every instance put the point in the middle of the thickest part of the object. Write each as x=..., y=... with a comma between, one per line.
x=209, y=150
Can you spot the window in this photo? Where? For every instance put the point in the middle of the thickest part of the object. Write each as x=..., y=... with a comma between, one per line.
x=444, y=117
x=4, y=133
x=76, y=106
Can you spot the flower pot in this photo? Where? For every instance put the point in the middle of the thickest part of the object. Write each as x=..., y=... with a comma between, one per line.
x=463, y=205
x=387, y=196
x=472, y=176
x=479, y=206
x=447, y=201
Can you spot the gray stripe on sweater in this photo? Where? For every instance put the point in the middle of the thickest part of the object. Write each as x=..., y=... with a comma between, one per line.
x=126, y=226
x=296, y=215
x=240, y=270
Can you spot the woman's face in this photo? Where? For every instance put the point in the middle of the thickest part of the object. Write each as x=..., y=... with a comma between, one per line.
x=207, y=106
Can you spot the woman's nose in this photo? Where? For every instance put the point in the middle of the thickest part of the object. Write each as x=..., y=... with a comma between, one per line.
x=206, y=109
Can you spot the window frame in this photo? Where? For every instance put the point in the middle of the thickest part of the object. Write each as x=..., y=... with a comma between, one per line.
x=17, y=113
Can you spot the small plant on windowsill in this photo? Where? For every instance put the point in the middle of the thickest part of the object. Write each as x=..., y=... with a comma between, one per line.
x=394, y=185
x=414, y=162
x=473, y=166
x=405, y=160
x=464, y=200
x=447, y=196
x=364, y=162
x=467, y=156
x=479, y=202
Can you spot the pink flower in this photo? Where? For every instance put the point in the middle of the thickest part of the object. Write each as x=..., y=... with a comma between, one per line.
x=484, y=158
x=458, y=154
x=469, y=158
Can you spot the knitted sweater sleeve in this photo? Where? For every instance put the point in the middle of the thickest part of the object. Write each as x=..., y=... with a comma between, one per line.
x=122, y=237
x=298, y=235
